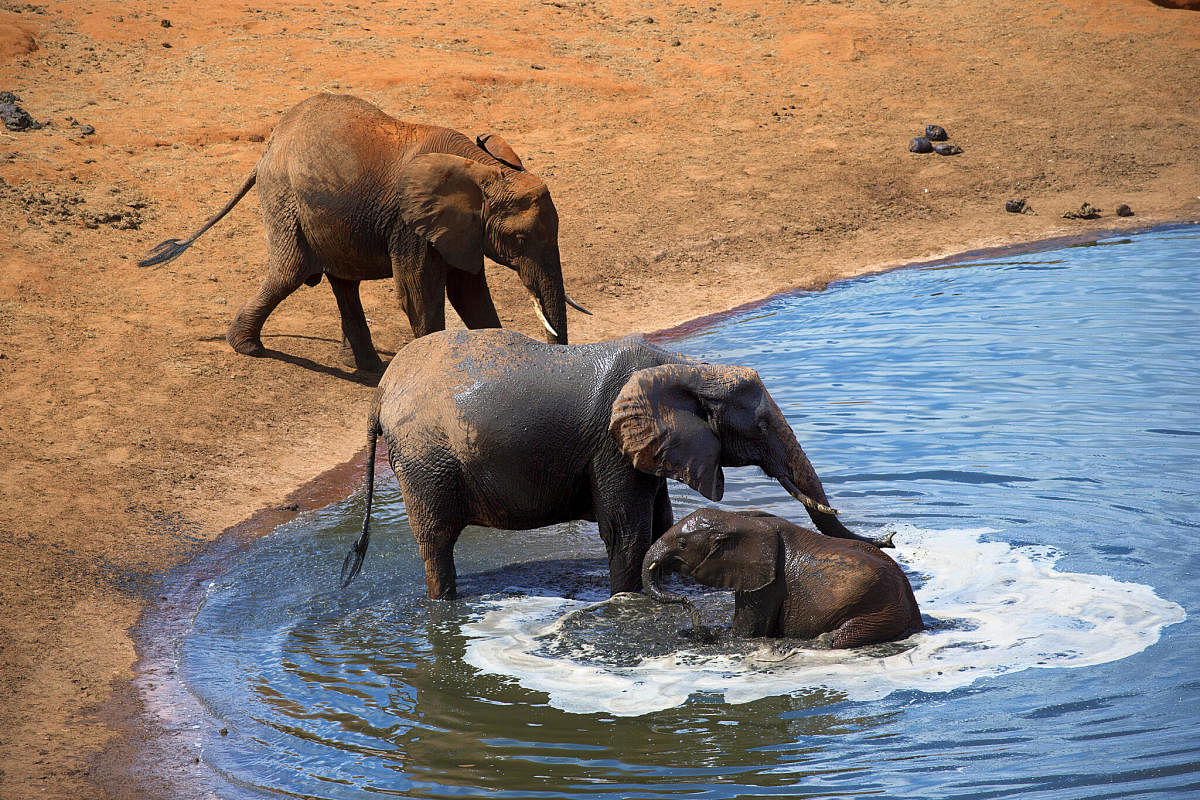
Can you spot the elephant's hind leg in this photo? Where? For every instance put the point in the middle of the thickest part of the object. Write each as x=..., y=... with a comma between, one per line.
x=287, y=269
x=245, y=332
x=877, y=626
x=357, y=348
x=436, y=521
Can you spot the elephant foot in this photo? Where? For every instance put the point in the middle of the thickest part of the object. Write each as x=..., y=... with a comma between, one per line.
x=245, y=345
x=370, y=363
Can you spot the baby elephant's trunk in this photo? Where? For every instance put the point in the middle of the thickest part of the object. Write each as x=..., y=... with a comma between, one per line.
x=656, y=558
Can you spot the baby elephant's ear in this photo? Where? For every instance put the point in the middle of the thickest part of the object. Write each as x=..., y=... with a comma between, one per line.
x=744, y=560
x=657, y=422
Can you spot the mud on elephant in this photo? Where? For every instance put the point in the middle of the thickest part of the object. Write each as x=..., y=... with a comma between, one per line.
x=349, y=193
x=787, y=580
x=494, y=428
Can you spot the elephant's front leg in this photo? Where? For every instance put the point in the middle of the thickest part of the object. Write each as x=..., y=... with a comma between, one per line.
x=624, y=503
x=468, y=293
x=421, y=284
x=664, y=515
x=758, y=613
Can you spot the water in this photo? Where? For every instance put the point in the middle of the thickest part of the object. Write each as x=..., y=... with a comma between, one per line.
x=1028, y=425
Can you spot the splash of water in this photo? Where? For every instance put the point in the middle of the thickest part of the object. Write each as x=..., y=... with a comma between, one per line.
x=992, y=608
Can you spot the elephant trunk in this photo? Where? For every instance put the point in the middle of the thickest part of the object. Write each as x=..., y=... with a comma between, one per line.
x=656, y=557
x=797, y=476
x=544, y=281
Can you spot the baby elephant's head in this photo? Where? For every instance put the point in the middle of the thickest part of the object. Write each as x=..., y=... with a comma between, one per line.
x=726, y=549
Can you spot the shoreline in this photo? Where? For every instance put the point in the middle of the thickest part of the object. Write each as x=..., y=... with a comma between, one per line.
x=155, y=705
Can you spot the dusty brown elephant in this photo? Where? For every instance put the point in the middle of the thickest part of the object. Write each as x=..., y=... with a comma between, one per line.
x=352, y=194
x=494, y=428
x=787, y=580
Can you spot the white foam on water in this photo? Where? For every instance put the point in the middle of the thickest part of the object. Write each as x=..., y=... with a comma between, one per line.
x=996, y=609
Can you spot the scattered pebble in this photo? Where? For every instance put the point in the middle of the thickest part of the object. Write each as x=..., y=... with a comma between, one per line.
x=1124, y=211
x=166, y=23
x=1086, y=211
x=1018, y=207
x=920, y=144
x=926, y=143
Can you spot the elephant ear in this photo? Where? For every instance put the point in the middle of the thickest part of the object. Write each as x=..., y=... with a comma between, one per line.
x=745, y=560
x=661, y=427
x=498, y=149
x=440, y=197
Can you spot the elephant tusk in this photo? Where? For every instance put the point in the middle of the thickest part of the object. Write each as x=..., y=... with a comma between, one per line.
x=541, y=315
x=575, y=304
x=821, y=507
x=807, y=501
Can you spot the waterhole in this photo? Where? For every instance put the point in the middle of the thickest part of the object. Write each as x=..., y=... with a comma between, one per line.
x=1029, y=426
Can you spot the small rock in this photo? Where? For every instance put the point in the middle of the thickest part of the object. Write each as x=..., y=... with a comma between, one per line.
x=16, y=118
x=946, y=149
x=536, y=66
x=1086, y=211
x=1124, y=211
x=1018, y=207
x=166, y=44
x=166, y=23
x=920, y=144
x=224, y=731
x=86, y=130
x=936, y=133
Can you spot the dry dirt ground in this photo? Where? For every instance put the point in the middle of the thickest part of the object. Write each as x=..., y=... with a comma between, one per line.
x=701, y=155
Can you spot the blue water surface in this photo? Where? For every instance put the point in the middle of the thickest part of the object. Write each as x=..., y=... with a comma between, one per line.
x=1051, y=399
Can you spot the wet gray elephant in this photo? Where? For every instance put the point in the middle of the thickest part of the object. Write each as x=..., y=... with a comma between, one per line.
x=352, y=194
x=787, y=580
x=494, y=428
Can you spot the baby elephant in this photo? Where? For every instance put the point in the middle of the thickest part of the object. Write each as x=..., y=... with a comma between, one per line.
x=787, y=580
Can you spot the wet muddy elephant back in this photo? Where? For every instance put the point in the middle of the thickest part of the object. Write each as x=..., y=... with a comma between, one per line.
x=350, y=194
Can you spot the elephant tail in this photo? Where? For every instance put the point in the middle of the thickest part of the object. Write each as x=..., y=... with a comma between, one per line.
x=354, y=559
x=165, y=251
